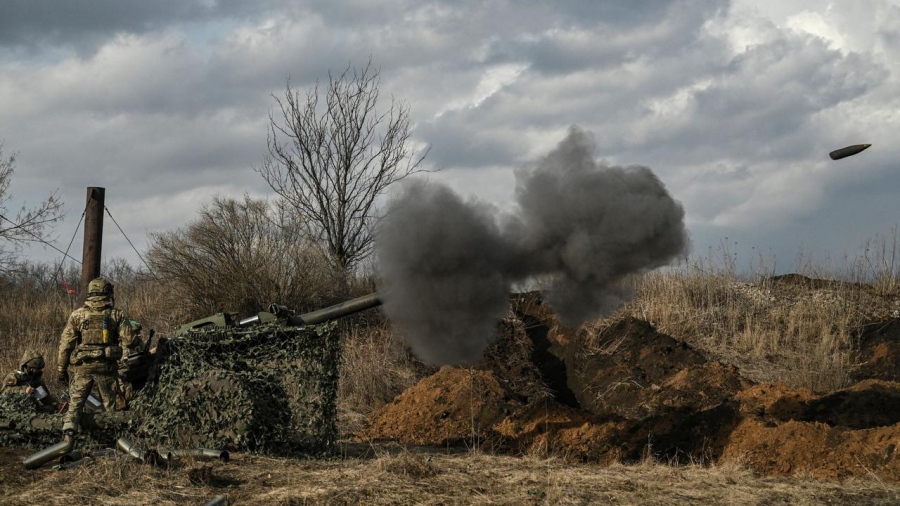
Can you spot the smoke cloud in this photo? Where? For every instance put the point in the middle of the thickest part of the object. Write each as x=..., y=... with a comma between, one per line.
x=449, y=264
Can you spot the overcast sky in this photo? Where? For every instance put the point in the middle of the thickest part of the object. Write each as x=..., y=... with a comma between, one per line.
x=734, y=105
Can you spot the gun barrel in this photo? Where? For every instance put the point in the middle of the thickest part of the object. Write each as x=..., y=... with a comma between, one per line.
x=336, y=311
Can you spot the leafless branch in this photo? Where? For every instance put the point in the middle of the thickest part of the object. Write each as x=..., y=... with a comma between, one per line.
x=331, y=161
x=27, y=224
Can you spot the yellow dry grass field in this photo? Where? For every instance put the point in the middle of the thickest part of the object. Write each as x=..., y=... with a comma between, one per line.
x=424, y=476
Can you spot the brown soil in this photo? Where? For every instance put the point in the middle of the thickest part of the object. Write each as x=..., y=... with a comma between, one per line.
x=815, y=449
x=450, y=407
x=632, y=393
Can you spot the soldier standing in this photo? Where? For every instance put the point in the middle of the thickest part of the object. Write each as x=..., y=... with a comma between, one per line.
x=92, y=343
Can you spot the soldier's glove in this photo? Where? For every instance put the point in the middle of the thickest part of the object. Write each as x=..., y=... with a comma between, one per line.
x=63, y=377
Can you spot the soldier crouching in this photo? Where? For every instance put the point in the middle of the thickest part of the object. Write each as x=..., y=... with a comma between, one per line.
x=92, y=343
x=28, y=380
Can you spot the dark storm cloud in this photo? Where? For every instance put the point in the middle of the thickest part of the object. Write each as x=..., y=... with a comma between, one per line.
x=583, y=225
x=602, y=74
x=453, y=141
x=608, y=36
x=86, y=23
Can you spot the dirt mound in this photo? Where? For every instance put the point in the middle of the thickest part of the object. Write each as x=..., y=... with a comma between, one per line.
x=630, y=392
x=452, y=406
x=879, y=352
x=774, y=401
x=698, y=388
x=815, y=449
x=630, y=359
x=514, y=361
x=868, y=404
x=550, y=428
x=634, y=371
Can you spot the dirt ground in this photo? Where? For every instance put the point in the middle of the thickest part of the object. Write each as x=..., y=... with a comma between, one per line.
x=647, y=394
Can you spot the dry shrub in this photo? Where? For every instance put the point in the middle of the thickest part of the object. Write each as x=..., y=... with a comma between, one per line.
x=33, y=310
x=374, y=369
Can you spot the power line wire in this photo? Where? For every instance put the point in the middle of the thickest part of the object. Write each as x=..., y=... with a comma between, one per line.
x=129, y=241
x=59, y=269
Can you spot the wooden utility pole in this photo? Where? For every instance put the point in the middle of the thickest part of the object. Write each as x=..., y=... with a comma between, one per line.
x=93, y=238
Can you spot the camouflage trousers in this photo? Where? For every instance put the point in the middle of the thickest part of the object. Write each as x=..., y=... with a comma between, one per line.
x=126, y=393
x=82, y=383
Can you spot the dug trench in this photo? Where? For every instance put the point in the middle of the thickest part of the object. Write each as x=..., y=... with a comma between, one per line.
x=632, y=393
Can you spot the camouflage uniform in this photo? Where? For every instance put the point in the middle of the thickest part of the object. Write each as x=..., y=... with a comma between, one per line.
x=29, y=378
x=126, y=390
x=96, y=337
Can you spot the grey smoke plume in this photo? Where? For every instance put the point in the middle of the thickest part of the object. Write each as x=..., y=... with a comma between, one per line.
x=449, y=264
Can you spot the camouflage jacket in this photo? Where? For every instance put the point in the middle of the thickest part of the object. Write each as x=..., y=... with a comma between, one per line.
x=72, y=352
x=18, y=382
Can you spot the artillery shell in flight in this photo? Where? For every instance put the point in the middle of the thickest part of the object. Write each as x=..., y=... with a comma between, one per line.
x=848, y=151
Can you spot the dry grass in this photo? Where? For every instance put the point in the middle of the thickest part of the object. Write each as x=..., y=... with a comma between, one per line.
x=374, y=369
x=406, y=476
x=802, y=333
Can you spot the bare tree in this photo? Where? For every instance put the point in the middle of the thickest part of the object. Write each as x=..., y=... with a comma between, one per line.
x=331, y=164
x=28, y=224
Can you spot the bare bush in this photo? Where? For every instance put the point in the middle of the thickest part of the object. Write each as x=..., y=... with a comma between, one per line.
x=240, y=255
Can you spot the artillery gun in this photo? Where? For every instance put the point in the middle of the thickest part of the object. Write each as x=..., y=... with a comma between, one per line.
x=140, y=363
x=265, y=383
x=280, y=314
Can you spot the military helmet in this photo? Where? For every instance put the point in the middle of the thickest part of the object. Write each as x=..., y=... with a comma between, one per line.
x=135, y=325
x=100, y=287
x=33, y=360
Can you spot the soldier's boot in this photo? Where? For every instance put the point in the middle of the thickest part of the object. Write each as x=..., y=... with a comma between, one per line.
x=69, y=429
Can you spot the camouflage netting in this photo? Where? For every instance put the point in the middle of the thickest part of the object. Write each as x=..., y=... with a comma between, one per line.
x=267, y=389
x=31, y=428
x=35, y=428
